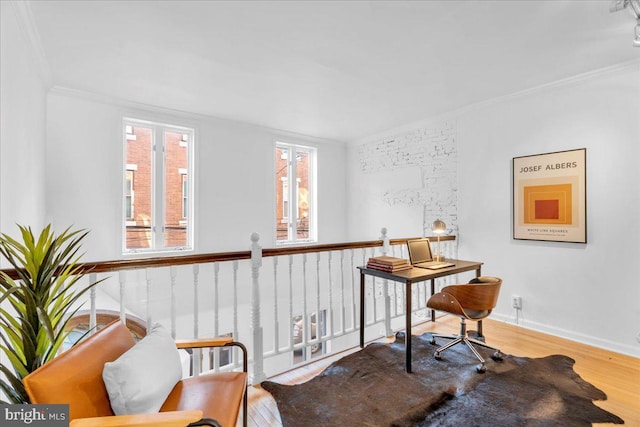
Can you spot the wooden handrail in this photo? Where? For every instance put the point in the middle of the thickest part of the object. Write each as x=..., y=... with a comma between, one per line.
x=141, y=263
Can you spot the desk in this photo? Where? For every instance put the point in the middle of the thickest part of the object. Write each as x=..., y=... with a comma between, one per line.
x=409, y=277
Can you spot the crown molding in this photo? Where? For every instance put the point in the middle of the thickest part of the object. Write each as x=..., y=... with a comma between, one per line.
x=134, y=107
x=451, y=117
x=26, y=23
x=579, y=78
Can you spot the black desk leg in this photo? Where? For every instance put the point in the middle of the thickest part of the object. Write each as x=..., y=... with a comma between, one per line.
x=407, y=339
x=433, y=291
x=362, y=325
x=479, y=335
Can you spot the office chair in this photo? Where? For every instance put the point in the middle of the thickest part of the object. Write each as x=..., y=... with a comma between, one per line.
x=473, y=301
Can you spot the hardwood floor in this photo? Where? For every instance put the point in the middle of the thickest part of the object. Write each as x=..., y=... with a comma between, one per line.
x=615, y=374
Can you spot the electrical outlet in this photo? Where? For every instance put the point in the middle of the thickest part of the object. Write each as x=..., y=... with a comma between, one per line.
x=516, y=302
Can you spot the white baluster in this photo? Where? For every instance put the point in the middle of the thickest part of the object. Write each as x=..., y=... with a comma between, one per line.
x=235, y=309
x=173, y=272
x=354, y=301
x=318, y=317
x=147, y=276
x=196, y=309
x=304, y=303
x=290, y=318
x=385, y=286
x=276, y=345
x=385, y=241
x=121, y=280
x=258, y=374
x=343, y=308
x=331, y=329
x=216, y=312
x=197, y=352
x=374, y=298
x=404, y=300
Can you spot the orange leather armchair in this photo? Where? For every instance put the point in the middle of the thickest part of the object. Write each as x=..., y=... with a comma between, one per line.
x=473, y=301
x=75, y=378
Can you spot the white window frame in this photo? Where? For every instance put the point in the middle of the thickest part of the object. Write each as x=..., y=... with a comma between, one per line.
x=293, y=194
x=185, y=194
x=129, y=191
x=158, y=184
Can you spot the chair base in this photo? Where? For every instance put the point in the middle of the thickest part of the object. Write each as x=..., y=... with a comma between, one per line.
x=462, y=338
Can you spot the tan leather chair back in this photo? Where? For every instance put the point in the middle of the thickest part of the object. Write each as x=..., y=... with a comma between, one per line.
x=75, y=376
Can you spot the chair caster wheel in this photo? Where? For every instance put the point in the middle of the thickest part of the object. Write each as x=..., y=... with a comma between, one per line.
x=437, y=355
x=481, y=368
x=498, y=356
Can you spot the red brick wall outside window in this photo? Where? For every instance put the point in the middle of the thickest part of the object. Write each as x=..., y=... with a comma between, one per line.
x=139, y=152
x=304, y=193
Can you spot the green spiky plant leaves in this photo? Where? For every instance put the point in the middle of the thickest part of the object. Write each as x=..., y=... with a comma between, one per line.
x=35, y=307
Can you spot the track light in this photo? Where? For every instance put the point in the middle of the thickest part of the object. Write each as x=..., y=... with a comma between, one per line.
x=634, y=8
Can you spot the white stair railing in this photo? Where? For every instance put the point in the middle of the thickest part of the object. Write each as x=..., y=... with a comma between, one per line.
x=230, y=293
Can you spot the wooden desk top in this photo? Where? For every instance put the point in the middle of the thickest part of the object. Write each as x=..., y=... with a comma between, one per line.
x=421, y=274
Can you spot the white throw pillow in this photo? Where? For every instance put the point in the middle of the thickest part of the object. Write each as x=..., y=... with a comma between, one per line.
x=139, y=381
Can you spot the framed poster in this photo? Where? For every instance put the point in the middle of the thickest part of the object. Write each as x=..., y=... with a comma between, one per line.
x=550, y=197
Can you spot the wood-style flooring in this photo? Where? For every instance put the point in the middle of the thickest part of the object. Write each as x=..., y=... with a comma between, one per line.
x=616, y=374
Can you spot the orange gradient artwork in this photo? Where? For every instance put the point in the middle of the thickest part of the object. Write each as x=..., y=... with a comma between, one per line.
x=548, y=204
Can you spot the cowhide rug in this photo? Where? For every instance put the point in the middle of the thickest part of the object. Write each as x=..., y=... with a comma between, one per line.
x=371, y=388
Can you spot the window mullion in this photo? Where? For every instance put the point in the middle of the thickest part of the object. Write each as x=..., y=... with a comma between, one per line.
x=293, y=195
x=158, y=189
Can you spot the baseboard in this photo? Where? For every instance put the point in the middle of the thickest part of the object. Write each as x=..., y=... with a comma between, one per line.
x=633, y=351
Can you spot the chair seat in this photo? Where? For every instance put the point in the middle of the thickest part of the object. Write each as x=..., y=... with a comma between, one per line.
x=218, y=396
x=476, y=314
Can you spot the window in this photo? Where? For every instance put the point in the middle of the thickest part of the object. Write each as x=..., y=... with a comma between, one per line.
x=295, y=193
x=158, y=170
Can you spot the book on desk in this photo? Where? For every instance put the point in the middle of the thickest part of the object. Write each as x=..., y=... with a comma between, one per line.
x=388, y=263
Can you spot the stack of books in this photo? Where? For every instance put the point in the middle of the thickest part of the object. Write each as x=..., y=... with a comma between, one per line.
x=388, y=263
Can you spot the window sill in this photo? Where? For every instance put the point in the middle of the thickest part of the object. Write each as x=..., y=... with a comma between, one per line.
x=148, y=253
x=296, y=242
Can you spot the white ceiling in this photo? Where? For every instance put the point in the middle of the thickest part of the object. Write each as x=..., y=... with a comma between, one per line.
x=340, y=70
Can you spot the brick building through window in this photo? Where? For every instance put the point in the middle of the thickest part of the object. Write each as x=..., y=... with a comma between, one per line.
x=157, y=187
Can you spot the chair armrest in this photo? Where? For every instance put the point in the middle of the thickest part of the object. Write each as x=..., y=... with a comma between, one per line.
x=216, y=342
x=221, y=342
x=204, y=342
x=443, y=301
x=160, y=419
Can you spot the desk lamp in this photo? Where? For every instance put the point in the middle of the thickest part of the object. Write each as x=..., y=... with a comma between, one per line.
x=438, y=227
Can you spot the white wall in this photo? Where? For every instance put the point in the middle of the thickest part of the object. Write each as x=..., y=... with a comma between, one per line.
x=235, y=171
x=565, y=289
x=22, y=134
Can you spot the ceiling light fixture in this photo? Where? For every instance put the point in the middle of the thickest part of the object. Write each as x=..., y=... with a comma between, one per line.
x=634, y=7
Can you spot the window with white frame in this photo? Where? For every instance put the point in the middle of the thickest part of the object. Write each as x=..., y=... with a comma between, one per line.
x=295, y=193
x=158, y=170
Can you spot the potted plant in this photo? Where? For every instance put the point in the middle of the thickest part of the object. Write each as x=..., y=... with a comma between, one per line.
x=37, y=303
